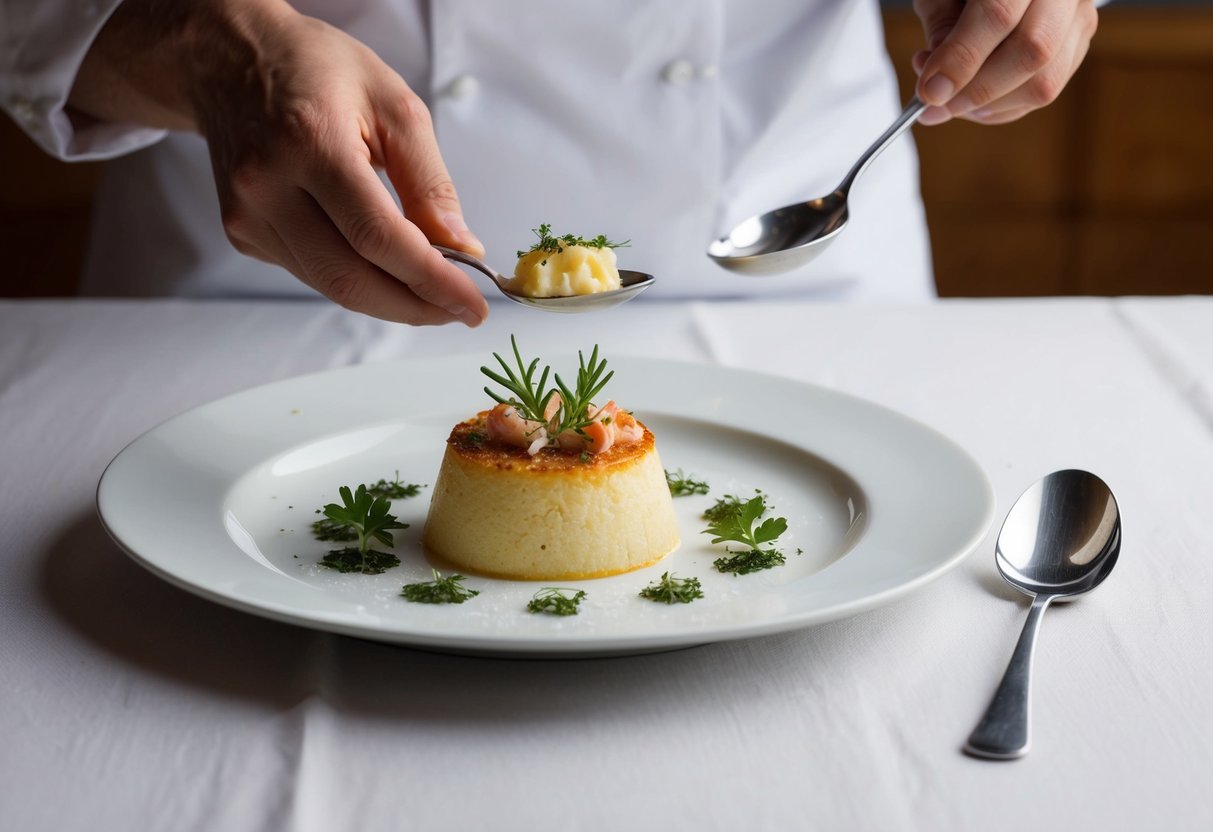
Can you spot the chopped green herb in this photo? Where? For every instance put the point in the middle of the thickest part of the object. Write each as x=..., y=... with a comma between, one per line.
x=554, y=601
x=394, y=490
x=749, y=560
x=682, y=485
x=351, y=559
x=448, y=590
x=669, y=589
x=332, y=531
x=368, y=518
x=727, y=506
x=554, y=245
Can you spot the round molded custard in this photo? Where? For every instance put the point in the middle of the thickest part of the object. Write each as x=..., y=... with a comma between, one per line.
x=574, y=270
x=555, y=516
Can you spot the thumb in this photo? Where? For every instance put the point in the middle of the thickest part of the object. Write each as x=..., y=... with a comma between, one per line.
x=417, y=172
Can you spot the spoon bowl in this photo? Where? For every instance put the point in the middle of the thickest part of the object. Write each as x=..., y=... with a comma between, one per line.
x=789, y=237
x=1060, y=539
x=633, y=283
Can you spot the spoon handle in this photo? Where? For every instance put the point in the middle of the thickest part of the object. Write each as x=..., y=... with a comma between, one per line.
x=1002, y=733
x=908, y=116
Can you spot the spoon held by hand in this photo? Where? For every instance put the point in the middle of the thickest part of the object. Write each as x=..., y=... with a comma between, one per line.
x=633, y=283
x=1060, y=539
x=788, y=237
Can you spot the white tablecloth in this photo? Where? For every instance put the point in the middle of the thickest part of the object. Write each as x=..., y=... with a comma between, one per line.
x=126, y=703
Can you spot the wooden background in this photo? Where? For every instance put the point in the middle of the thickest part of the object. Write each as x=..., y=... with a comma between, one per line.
x=1109, y=191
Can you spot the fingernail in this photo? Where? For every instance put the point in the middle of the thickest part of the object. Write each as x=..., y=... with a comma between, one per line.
x=932, y=116
x=466, y=315
x=459, y=229
x=938, y=89
x=982, y=114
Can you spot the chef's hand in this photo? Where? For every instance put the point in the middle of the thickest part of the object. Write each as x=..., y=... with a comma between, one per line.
x=298, y=116
x=993, y=61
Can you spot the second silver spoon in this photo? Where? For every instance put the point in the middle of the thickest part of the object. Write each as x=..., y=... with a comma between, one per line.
x=1060, y=539
x=633, y=283
x=788, y=237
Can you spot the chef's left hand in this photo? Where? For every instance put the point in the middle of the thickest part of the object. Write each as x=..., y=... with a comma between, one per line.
x=993, y=61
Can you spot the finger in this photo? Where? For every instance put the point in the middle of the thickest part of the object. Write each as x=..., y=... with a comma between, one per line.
x=1042, y=88
x=1046, y=32
x=414, y=165
x=981, y=26
x=328, y=263
x=937, y=18
x=358, y=204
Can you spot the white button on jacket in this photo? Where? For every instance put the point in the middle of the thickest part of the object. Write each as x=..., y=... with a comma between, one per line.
x=664, y=122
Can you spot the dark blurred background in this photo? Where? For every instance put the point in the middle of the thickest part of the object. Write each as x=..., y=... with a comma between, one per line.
x=1107, y=192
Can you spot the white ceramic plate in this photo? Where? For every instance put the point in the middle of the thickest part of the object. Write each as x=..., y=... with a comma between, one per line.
x=220, y=501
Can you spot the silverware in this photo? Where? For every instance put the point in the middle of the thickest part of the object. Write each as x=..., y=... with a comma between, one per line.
x=633, y=284
x=788, y=237
x=1060, y=539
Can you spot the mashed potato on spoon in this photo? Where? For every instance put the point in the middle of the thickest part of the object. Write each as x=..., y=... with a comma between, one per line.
x=565, y=266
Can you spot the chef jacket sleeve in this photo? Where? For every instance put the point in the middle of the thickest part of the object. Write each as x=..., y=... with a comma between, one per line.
x=42, y=44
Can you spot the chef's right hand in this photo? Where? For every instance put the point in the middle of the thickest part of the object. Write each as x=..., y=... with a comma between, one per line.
x=298, y=117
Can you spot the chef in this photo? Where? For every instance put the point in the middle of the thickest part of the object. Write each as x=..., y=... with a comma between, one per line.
x=263, y=148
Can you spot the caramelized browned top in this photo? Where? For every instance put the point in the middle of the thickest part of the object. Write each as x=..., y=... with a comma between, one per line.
x=470, y=439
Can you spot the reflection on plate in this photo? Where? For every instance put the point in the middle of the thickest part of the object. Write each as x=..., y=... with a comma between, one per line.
x=220, y=501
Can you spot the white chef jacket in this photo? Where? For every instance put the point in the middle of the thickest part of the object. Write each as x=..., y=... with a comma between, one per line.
x=663, y=122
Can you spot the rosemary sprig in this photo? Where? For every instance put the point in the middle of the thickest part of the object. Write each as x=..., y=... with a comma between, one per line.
x=531, y=397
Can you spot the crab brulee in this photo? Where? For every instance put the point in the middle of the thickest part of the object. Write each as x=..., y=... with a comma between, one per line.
x=548, y=485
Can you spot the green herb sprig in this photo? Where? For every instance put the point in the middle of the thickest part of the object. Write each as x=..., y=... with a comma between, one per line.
x=749, y=560
x=670, y=590
x=448, y=590
x=395, y=489
x=351, y=559
x=727, y=506
x=554, y=600
x=734, y=521
x=682, y=485
x=531, y=397
x=552, y=244
x=368, y=517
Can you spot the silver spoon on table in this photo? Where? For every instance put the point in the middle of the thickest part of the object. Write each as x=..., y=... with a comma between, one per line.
x=633, y=284
x=788, y=237
x=1060, y=539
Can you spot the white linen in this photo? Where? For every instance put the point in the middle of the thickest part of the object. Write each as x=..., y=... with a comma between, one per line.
x=126, y=703
x=665, y=122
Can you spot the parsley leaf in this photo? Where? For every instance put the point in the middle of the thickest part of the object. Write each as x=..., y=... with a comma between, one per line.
x=369, y=520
